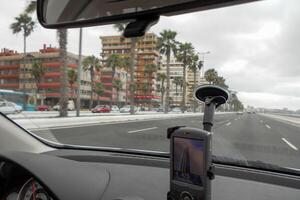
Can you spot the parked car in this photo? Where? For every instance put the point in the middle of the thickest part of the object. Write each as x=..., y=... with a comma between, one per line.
x=114, y=108
x=176, y=110
x=162, y=109
x=126, y=109
x=7, y=108
x=101, y=109
x=17, y=107
x=71, y=106
x=43, y=108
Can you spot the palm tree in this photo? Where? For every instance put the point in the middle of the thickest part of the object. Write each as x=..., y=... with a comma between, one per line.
x=193, y=66
x=91, y=64
x=37, y=72
x=162, y=77
x=99, y=90
x=145, y=87
x=121, y=27
x=63, y=40
x=31, y=7
x=211, y=76
x=149, y=70
x=185, y=52
x=126, y=67
x=72, y=78
x=118, y=85
x=177, y=81
x=23, y=23
x=167, y=45
x=113, y=62
x=63, y=101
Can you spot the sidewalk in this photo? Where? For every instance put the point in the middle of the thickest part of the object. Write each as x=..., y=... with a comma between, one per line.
x=48, y=123
x=289, y=119
x=52, y=114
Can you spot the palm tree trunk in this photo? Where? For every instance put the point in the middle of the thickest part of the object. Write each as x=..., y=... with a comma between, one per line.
x=168, y=82
x=132, y=65
x=162, y=93
x=112, y=88
x=184, y=88
x=92, y=91
x=126, y=95
x=98, y=100
x=63, y=101
x=195, y=103
x=118, y=98
x=24, y=75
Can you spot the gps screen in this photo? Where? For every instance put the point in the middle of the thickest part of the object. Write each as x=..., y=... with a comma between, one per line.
x=188, y=164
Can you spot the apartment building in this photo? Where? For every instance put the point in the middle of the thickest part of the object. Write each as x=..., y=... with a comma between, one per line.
x=146, y=54
x=176, y=72
x=16, y=74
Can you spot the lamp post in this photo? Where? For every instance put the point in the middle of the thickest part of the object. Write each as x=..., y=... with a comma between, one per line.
x=78, y=103
x=201, y=63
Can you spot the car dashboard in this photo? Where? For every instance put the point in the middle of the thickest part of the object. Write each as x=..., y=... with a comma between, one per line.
x=97, y=175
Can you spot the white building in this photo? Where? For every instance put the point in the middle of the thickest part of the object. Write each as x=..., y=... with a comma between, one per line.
x=176, y=70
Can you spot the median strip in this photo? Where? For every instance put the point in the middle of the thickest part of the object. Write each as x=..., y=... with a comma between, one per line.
x=140, y=130
x=290, y=144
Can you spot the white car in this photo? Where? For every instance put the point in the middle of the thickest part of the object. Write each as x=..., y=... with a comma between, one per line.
x=17, y=107
x=176, y=110
x=115, y=109
x=126, y=109
x=7, y=108
x=71, y=106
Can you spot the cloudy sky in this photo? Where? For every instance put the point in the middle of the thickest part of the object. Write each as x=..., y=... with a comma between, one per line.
x=254, y=46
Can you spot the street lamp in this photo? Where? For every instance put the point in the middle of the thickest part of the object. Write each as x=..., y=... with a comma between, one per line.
x=201, y=63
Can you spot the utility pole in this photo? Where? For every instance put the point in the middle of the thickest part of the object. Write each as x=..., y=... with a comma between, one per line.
x=202, y=54
x=79, y=74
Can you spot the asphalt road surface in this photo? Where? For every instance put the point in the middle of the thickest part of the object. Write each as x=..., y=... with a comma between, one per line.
x=247, y=136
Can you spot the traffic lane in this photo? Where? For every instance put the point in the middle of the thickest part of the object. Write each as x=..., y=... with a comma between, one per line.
x=150, y=134
x=241, y=137
x=288, y=131
x=251, y=139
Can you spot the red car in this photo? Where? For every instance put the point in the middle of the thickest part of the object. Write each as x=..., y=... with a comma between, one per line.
x=43, y=108
x=101, y=109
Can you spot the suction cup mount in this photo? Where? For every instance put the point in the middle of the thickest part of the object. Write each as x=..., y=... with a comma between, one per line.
x=213, y=96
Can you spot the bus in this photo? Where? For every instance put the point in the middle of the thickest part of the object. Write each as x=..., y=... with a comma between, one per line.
x=16, y=97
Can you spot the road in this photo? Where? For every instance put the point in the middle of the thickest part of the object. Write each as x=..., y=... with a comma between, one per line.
x=247, y=136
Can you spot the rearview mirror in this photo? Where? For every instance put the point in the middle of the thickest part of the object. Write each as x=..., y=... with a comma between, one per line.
x=79, y=13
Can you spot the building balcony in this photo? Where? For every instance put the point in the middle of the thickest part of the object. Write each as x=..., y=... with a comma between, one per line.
x=73, y=65
x=9, y=76
x=107, y=84
x=52, y=74
x=51, y=64
x=9, y=85
x=49, y=85
x=10, y=67
x=107, y=92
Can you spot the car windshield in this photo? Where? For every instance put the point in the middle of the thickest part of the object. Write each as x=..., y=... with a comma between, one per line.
x=251, y=50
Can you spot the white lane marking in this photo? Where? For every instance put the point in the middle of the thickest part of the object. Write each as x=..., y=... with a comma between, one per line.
x=290, y=144
x=267, y=126
x=235, y=119
x=228, y=123
x=140, y=130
